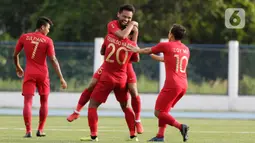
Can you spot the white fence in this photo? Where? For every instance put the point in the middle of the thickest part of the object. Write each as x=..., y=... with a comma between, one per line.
x=232, y=102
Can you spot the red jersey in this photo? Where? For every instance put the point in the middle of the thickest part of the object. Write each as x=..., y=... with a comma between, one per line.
x=117, y=58
x=176, y=56
x=113, y=27
x=37, y=47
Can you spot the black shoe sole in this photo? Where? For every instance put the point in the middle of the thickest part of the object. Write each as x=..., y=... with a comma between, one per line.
x=38, y=134
x=184, y=132
x=41, y=135
x=27, y=136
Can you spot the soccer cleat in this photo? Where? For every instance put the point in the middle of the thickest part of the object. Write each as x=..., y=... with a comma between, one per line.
x=156, y=139
x=91, y=138
x=40, y=134
x=139, y=127
x=28, y=135
x=133, y=138
x=184, y=131
x=73, y=116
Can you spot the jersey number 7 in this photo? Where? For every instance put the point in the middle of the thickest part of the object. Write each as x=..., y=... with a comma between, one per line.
x=35, y=48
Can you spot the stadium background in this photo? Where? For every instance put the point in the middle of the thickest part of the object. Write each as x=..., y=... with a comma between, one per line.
x=77, y=24
x=223, y=117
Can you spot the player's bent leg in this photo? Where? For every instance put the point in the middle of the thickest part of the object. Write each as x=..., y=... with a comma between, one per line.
x=163, y=105
x=84, y=98
x=135, y=99
x=161, y=129
x=92, y=84
x=136, y=105
x=27, y=114
x=43, y=113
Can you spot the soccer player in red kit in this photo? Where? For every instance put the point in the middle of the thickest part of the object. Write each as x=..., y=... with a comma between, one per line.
x=176, y=56
x=114, y=77
x=37, y=46
x=115, y=27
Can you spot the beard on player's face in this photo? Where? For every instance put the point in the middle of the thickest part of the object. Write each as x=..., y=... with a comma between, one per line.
x=124, y=18
x=123, y=22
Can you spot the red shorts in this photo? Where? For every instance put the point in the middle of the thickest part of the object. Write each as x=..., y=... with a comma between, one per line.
x=31, y=82
x=98, y=73
x=104, y=88
x=131, y=74
x=168, y=97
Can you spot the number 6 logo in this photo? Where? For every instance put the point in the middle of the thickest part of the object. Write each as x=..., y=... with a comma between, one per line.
x=235, y=18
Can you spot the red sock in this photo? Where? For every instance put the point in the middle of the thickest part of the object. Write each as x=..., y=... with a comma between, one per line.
x=27, y=111
x=136, y=105
x=93, y=120
x=161, y=129
x=161, y=132
x=43, y=111
x=84, y=98
x=168, y=119
x=130, y=119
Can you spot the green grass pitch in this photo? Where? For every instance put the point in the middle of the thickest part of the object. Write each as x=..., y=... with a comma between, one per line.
x=114, y=130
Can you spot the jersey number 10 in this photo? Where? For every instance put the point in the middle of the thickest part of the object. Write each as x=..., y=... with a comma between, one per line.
x=179, y=63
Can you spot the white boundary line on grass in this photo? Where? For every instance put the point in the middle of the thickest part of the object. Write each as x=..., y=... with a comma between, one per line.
x=103, y=130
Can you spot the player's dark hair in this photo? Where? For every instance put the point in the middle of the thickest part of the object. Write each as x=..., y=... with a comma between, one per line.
x=178, y=31
x=43, y=21
x=127, y=7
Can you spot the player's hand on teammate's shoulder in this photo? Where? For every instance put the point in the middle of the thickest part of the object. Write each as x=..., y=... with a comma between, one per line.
x=132, y=48
x=63, y=83
x=19, y=72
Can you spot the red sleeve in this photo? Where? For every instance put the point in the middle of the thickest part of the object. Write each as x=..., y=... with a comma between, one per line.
x=134, y=57
x=50, y=50
x=104, y=44
x=19, y=45
x=112, y=28
x=159, y=48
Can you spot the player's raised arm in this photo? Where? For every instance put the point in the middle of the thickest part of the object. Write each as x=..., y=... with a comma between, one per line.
x=146, y=50
x=124, y=25
x=157, y=58
x=159, y=48
x=18, y=48
x=124, y=33
x=134, y=35
x=54, y=62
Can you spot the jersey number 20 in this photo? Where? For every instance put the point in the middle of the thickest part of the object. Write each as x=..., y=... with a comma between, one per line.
x=108, y=58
